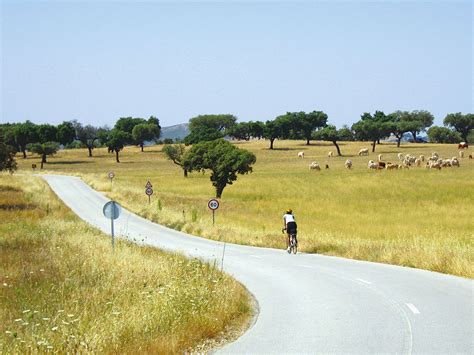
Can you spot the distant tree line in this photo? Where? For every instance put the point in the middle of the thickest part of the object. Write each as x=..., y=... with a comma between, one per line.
x=46, y=139
x=314, y=126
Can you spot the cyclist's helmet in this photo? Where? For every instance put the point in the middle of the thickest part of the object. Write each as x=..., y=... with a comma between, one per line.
x=289, y=210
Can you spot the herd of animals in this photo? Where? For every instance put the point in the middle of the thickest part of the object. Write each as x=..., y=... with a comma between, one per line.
x=405, y=160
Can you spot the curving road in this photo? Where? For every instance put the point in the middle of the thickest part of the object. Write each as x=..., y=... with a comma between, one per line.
x=313, y=303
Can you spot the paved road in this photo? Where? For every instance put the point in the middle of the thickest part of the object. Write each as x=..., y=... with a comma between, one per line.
x=312, y=303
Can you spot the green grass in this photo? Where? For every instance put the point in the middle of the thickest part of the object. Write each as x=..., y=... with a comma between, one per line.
x=415, y=217
x=63, y=290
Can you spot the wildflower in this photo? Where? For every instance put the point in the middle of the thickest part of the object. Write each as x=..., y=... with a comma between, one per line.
x=19, y=320
x=70, y=315
x=8, y=332
x=46, y=318
x=54, y=328
x=42, y=270
x=35, y=312
x=61, y=311
x=25, y=323
x=31, y=272
x=64, y=322
x=5, y=284
x=26, y=311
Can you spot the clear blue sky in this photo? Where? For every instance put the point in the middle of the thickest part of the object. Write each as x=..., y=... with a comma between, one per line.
x=98, y=61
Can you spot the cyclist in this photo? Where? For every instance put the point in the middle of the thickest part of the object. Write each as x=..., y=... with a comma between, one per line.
x=289, y=224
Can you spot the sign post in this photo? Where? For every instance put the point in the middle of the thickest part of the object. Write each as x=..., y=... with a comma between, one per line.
x=213, y=205
x=112, y=210
x=111, y=176
x=148, y=191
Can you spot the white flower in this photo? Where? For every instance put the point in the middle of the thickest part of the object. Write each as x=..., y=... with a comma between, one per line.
x=54, y=328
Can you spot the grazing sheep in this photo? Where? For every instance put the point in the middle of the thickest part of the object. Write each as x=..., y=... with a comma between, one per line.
x=470, y=156
x=418, y=162
x=372, y=165
x=364, y=151
x=463, y=145
x=380, y=157
x=421, y=157
x=327, y=166
x=391, y=166
x=348, y=164
x=435, y=164
x=329, y=154
x=455, y=162
x=301, y=155
x=400, y=156
x=435, y=155
x=314, y=166
x=461, y=154
x=381, y=164
x=445, y=163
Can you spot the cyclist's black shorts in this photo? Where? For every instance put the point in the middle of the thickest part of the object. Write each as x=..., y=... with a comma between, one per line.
x=291, y=227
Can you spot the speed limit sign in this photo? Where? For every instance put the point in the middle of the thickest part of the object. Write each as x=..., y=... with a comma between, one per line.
x=213, y=204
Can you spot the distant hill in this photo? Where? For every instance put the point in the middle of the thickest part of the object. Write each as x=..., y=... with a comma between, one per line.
x=177, y=131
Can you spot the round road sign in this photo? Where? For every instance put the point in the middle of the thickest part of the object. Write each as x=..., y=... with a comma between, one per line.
x=213, y=204
x=112, y=210
x=111, y=175
x=149, y=191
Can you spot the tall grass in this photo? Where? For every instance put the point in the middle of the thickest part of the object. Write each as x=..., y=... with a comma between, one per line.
x=63, y=290
x=417, y=217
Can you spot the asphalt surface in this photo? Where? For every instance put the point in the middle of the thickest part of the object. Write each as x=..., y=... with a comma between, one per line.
x=313, y=303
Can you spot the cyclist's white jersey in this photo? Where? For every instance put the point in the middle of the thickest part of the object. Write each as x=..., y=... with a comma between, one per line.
x=288, y=217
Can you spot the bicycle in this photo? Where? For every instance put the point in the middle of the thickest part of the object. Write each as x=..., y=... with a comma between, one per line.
x=293, y=242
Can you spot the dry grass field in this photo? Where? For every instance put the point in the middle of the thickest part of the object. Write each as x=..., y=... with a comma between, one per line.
x=64, y=291
x=415, y=217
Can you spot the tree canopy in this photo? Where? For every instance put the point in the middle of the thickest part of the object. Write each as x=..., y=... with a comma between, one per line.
x=209, y=127
x=66, y=133
x=438, y=134
x=24, y=134
x=372, y=127
x=175, y=153
x=117, y=140
x=223, y=159
x=44, y=149
x=331, y=134
x=304, y=124
x=463, y=124
x=7, y=156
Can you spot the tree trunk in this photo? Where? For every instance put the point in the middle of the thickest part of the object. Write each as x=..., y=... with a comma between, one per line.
x=399, y=139
x=90, y=151
x=378, y=141
x=307, y=141
x=271, y=142
x=413, y=133
x=373, y=145
x=185, y=172
x=117, y=156
x=219, y=190
x=23, y=150
x=337, y=147
x=141, y=146
x=43, y=160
